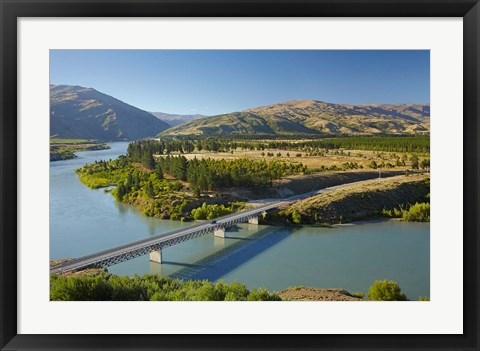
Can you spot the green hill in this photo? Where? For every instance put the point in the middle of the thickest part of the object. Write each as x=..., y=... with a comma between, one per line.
x=85, y=113
x=313, y=117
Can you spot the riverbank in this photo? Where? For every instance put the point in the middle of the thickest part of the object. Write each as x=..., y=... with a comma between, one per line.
x=370, y=199
x=64, y=149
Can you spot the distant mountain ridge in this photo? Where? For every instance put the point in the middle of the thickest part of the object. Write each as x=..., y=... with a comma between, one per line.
x=314, y=117
x=79, y=112
x=173, y=119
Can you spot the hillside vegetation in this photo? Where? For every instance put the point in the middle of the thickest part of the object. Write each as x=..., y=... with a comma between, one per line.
x=313, y=117
x=85, y=113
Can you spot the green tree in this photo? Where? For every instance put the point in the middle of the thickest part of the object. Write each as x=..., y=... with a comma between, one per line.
x=383, y=290
x=149, y=189
x=196, y=191
x=148, y=161
x=425, y=164
x=159, y=171
x=120, y=192
x=414, y=161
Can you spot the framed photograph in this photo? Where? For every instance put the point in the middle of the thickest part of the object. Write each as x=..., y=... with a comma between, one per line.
x=239, y=175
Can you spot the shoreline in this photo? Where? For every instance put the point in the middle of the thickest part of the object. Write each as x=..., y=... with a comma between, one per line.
x=65, y=149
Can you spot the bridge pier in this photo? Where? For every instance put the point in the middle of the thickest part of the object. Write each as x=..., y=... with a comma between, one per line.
x=156, y=268
x=219, y=242
x=219, y=232
x=156, y=256
x=253, y=220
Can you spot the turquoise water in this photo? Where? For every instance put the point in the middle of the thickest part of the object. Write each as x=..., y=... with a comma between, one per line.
x=83, y=221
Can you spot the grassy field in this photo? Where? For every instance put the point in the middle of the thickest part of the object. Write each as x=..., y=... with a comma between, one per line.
x=337, y=158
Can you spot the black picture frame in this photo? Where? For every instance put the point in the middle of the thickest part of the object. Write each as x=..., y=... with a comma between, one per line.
x=11, y=10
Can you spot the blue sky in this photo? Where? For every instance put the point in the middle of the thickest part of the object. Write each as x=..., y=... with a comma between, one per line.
x=211, y=82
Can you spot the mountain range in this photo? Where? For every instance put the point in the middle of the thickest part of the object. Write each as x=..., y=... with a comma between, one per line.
x=173, y=120
x=313, y=117
x=79, y=112
x=85, y=113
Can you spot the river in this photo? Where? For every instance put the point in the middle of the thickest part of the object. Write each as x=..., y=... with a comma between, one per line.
x=83, y=221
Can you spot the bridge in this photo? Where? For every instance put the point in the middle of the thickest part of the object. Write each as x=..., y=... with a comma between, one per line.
x=154, y=245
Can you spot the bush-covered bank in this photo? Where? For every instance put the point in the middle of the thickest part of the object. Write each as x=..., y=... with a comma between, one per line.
x=150, y=287
x=356, y=202
x=180, y=189
x=419, y=212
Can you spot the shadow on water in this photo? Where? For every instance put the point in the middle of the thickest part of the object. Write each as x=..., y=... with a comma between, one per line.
x=220, y=263
x=181, y=264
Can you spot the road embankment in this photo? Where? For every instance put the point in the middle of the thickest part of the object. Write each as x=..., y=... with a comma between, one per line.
x=355, y=202
x=300, y=184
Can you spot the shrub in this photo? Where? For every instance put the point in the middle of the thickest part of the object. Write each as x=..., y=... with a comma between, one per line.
x=383, y=290
x=262, y=295
x=420, y=212
x=86, y=288
x=296, y=217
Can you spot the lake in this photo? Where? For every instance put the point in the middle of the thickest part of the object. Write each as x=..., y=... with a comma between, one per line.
x=83, y=221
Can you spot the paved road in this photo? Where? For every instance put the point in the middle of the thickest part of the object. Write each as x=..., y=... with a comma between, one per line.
x=90, y=260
